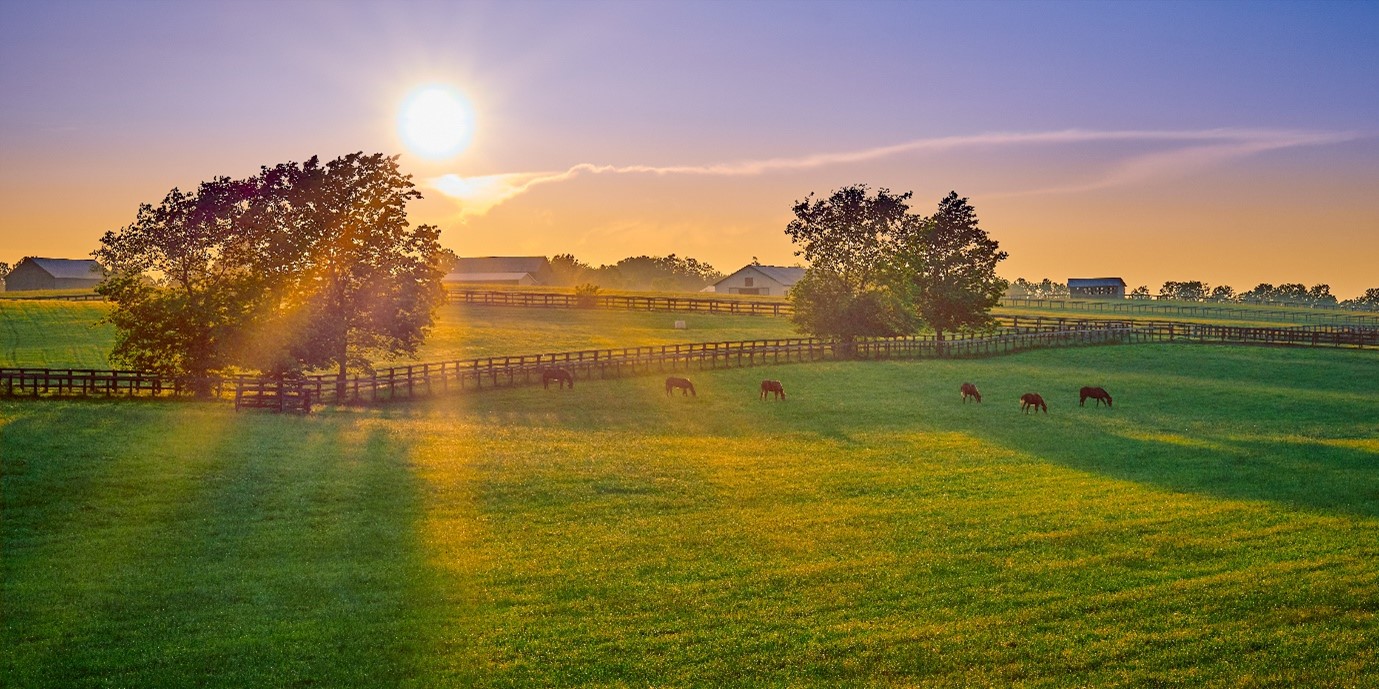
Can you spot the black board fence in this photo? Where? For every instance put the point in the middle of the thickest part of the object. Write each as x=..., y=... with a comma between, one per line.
x=416, y=380
x=551, y=300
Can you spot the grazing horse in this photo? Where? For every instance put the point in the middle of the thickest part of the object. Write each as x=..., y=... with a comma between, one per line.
x=1031, y=400
x=561, y=376
x=772, y=387
x=970, y=390
x=1097, y=394
x=686, y=387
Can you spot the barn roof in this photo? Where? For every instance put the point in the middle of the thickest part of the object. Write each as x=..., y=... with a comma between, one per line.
x=1095, y=282
x=502, y=264
x=69, y=268
x=785, y=275
x=486, y=277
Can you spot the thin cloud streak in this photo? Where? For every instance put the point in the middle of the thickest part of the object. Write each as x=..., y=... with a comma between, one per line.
x=1197, y=149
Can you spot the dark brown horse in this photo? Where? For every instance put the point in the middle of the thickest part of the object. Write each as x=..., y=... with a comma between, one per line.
x=772, y=387
x=1031, y=400
x=561, y=376
x=685, y=387
x=970, y=390
x=1097, y=394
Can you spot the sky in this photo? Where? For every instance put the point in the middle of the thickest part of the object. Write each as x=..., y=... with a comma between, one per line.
x=1229, y=142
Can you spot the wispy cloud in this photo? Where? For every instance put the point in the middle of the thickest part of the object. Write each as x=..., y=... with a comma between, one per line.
x=1186, y=150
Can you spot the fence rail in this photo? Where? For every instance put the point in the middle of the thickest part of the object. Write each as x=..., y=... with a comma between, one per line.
x=401, y=382
x=1328, y=314
x=621, y=302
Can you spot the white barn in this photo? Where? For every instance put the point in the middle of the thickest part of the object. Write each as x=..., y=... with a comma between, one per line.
x=773, y=281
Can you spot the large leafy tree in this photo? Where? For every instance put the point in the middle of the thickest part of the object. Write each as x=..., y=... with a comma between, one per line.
x=849, y=240
x=180, y=282
x=949, y=265
x=303, y=266
x=355, y=279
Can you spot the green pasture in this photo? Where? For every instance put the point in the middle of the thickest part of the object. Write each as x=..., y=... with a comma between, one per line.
x=1219, y=526
x=59, y=334
x=1247, y=315
x=54, y=334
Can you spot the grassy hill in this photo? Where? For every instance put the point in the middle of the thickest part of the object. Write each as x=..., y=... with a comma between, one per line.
x=1219, y=526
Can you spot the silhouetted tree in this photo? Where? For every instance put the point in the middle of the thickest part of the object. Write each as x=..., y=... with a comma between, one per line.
x=359, y=280
x=852, y=234
x=850, y=241
x=181, y=281
x=1194, y=290
x=1222, y=293
x=1044, y=289
x=949, y=265
x=826, y=306
x=1368, y=300
x=1141, y=292
x=302, y=266
x=568, y=270
x=660, y=273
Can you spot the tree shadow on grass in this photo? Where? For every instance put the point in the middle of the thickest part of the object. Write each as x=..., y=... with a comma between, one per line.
x=210, y=548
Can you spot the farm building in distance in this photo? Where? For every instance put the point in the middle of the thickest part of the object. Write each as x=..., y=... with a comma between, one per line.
x=762, y=280
x=35, y=273
x=1096, y=288
x=501, y=270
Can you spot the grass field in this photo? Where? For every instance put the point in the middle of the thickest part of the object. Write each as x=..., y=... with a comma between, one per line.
x=56, y=334
x=1218, y=527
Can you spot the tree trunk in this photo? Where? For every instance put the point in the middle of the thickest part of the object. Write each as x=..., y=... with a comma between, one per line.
x=938, y=342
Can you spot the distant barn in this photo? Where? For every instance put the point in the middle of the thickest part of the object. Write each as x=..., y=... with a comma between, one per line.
x=35, y=273
x=502, y=270
x=1096, y=288
x=760, y=280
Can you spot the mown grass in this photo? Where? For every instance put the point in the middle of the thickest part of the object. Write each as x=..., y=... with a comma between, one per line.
x=1218, y=527
x=1248, y=315
x=56, y=334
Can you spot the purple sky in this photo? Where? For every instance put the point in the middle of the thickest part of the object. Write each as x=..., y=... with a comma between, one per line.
x=1234, y=143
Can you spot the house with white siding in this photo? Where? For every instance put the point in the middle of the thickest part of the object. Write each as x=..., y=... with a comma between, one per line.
x=773, y=281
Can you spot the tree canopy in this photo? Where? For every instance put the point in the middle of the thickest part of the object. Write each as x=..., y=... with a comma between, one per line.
x=878, y=269
x=950, y=265
x=300, y=267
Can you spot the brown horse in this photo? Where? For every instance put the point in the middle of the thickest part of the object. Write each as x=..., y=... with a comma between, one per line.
x=970, y=390
x=1031, y=400
x=772, y=387
x=685, y=387
x=561, y=376
x=1097, y=394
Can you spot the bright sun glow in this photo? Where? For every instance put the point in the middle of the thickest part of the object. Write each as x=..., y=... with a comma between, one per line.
x=435, y=122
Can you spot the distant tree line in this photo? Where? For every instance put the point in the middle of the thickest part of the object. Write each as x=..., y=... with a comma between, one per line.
x=1291, y=293
x=1044, y=289
x=1195, y=290
x=303, y=266
x=653, y=273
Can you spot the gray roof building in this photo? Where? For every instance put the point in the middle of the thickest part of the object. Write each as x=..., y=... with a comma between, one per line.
x=34, y=273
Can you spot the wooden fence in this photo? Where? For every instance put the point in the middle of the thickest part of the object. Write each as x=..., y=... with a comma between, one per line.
x=401, y=382
x=622, y=302
x=1310, y=314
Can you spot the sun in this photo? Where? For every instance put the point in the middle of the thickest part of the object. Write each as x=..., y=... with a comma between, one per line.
x=435, y=122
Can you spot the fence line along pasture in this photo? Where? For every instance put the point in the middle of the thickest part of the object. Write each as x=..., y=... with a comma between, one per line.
x=414, y=380
x=1298, y=314
x=621, y=302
